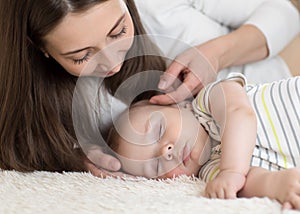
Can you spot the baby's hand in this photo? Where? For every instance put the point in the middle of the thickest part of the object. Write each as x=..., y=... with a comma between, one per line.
x=286, y=187
x=225, y=185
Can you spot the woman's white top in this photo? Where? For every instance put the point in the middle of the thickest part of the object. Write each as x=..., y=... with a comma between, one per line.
x=192, y=22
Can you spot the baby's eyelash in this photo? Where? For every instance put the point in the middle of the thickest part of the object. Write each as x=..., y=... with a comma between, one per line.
x=83, y=59
x=122, y=32
x=161, y=130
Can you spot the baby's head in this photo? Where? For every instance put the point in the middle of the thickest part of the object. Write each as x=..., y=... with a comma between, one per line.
x=156, y=141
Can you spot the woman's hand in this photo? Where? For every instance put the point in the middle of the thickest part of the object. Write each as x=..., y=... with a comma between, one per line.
x=101, y=164
x=99, y=172
x=199, y=65
x=192, y=68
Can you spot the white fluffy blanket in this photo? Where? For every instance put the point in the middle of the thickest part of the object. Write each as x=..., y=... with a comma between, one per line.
x=44, y=192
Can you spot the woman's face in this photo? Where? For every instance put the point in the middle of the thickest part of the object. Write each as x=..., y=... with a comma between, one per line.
x=99, y=37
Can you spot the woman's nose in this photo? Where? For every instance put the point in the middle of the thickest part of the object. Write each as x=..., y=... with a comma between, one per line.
x=167, y=151
x=110, y=59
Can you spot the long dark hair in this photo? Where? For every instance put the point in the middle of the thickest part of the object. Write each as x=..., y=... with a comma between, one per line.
x=36, y=128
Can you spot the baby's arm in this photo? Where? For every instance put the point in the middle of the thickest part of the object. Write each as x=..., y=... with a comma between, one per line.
x=283, y=186
x=230, y=107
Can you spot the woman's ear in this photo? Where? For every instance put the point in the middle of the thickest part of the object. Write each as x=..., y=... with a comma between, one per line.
x=46, y=54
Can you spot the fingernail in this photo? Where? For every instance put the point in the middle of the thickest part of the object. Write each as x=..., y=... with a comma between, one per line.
x=153, y=101
x=162, y=84
x=115, y=165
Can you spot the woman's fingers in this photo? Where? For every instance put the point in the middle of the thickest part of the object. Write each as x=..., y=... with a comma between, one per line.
x=95, y=170
x=170, y=75
x=189, y=87
x=187, y=74
x=103, y=160
x=102, y=173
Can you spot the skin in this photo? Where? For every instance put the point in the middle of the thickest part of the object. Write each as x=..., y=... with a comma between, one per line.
x=104, y=32
x=113, y=39
x=283, y=186
x=291, y=56
x=205, y=60
x=136, y=155
x=78, y=33
x=140, y=157
x=156, y=145
x=138, y=151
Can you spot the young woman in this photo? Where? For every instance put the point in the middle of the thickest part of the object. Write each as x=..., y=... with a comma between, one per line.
x=45, y=47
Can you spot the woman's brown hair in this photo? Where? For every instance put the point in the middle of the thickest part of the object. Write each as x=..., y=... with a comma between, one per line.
x=296, y=3
x=36, y=127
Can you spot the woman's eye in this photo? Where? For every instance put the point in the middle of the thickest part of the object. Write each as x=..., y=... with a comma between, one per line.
x=120, y=34
x=82, y=60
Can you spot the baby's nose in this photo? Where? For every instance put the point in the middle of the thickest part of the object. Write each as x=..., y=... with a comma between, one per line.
x=167, y=151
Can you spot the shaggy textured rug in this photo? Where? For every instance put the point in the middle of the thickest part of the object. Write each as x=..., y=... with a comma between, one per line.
x=44, y=192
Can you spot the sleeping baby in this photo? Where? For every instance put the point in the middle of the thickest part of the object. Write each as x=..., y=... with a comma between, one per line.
x=241, y=139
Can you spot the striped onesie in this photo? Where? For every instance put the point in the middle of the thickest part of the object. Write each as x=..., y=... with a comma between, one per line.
x=277, y=108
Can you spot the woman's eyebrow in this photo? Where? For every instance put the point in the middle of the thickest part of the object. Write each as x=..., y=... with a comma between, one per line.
x=82, y=49
x=117, y=23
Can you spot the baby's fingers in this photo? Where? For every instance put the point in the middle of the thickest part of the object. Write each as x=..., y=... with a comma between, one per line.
x=211, y=195
x=287, y=206
x=216, y=193
x=211, y=191
x=230, y=194
x=222, y=191
x=293, y=202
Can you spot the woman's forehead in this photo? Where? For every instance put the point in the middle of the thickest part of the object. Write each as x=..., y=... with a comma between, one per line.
x=79, y=29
